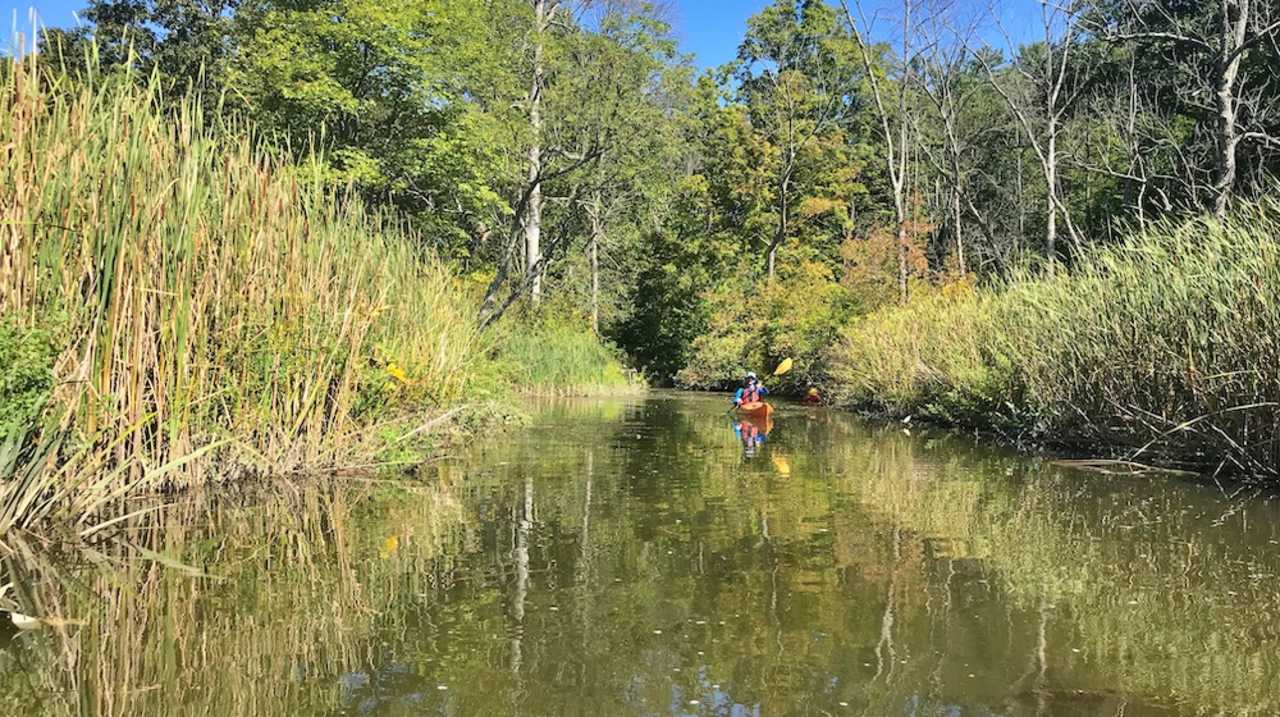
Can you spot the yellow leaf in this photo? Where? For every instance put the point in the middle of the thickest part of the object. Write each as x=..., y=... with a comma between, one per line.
x=389, y=546
x=398, y=373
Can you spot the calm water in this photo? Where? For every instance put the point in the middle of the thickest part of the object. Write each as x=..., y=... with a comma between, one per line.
x=648, y=557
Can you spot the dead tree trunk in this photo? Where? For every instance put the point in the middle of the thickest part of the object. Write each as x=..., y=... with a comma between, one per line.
x=533, y=208
x=1231, y=46
x=781, y=235
x=896, y=147
x=1241, y=26
x=593, y=256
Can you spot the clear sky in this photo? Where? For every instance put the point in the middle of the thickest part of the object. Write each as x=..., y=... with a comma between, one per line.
x=710, y=29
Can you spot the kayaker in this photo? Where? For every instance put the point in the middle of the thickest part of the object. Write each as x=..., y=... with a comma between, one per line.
x=751, y=392
x=812, y=396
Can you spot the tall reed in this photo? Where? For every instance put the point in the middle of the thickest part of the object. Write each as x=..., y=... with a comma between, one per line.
x=203, y=289
x=1166, y=345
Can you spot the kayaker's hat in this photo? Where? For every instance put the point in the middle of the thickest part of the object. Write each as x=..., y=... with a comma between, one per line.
x=751, y=375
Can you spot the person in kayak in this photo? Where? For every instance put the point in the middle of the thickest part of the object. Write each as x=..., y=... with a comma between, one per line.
x=751, y=392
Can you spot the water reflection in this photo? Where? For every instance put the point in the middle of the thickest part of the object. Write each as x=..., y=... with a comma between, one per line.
x=752, y=432
x=623, y=558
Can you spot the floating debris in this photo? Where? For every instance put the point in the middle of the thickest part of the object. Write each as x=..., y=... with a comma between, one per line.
x=24, y=622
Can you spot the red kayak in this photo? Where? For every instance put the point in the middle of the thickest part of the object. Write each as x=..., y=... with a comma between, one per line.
x=756, y=409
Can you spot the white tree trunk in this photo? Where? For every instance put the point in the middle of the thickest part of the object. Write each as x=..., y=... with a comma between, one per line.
x=593, y=255
x=533, y=212
x=523, y=527
x=1230, y=54
x=1051, y=205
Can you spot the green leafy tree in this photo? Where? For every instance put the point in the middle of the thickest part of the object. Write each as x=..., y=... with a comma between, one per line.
x=408, y=102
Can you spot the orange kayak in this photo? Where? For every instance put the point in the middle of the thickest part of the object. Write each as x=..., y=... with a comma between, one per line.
x=756, y=409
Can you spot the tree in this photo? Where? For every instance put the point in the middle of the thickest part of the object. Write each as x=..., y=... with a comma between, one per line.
x=1040, y=86
x=405, y=101
x=950, y=81
x=796, y=84
x=1215, y=47
x=598, y=81
x=185, y=41
x=895, y=108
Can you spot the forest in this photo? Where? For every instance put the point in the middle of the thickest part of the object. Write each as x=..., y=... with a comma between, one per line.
x=264, y=231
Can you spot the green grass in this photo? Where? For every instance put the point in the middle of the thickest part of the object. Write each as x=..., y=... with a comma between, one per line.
x=1166, y=345
x=550, y=354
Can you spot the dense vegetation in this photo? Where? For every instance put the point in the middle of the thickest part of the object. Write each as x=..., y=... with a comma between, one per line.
x=179, y=297
x=304, y=226
x=1163, y=344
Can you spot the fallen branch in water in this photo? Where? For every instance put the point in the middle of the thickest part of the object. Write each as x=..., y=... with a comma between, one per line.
x=431, y=424
x=1109, y=466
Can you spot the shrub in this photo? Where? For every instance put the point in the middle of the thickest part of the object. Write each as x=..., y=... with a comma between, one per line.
x=26, y=375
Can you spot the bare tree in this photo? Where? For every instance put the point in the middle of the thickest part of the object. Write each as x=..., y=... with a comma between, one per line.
x=1054, y=86
x=895, y=120
x=1151, y=165
x=1221, y=40
x=945, y=81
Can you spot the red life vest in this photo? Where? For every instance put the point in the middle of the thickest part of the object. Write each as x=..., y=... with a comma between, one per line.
x=751, y=395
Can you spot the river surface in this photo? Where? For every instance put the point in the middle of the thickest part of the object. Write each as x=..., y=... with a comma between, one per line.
x=648, y=556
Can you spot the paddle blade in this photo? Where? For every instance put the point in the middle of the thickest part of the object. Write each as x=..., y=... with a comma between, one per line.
x=783, y=367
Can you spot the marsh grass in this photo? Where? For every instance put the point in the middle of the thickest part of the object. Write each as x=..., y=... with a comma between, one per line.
x=215, y=306
x=1166, y=345
x=553, y=355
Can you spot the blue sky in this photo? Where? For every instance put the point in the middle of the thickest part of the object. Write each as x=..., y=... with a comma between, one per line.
x=710, y=29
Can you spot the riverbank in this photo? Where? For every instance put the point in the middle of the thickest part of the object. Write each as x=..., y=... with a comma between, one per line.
x=180, y=305
x=1163, y=348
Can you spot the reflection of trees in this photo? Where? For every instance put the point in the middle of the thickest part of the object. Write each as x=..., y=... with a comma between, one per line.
x=524, y=523
x=1096, y=573
x=575, y=569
